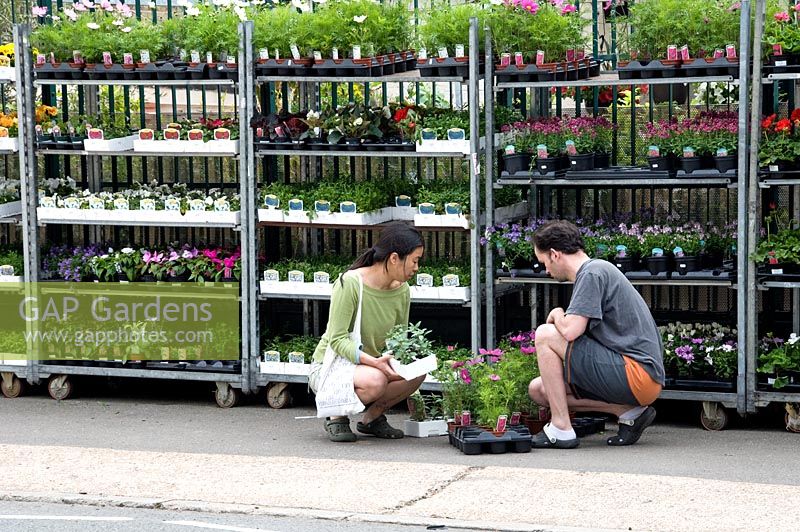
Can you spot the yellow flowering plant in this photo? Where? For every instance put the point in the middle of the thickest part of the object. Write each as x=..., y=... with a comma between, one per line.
x=8, y=121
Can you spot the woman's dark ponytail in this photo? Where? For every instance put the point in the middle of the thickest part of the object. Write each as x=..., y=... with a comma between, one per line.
x=396, y=237
x=365, y=259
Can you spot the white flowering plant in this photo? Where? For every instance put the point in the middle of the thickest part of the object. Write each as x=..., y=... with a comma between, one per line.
x=700, y=350
x=9, y=190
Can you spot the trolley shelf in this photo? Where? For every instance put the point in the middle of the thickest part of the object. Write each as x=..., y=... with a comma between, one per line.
x=137, y=82
x=613, y=79
x=188, y=375
x=411, y=76
x=657, y=281
x=363, y=153
x=131, y=153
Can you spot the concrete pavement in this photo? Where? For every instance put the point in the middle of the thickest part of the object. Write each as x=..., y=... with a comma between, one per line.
x=177, y=454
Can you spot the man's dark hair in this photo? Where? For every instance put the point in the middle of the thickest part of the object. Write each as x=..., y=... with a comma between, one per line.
x=559, y=235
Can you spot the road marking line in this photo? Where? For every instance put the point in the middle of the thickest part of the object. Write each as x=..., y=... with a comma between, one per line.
x=62, y=518
x=201, y=524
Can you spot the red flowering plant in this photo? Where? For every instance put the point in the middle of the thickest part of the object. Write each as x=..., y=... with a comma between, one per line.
x=405, y=120
x=779, y=145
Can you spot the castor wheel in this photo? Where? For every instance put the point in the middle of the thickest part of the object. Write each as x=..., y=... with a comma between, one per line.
x=59, y=387
x=227, y=396
x=278, y=395
x=713, y=416
x=792, y=417
x=12, y=386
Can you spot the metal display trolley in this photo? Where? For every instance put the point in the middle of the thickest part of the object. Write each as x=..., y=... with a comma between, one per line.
x=277, y=384
x=783, y=187
x=230, y=382
x=713, y=415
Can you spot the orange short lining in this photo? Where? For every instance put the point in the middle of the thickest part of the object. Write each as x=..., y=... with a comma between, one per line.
x=644, y=388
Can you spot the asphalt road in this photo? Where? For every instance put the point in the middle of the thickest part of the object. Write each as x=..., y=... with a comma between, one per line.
x=182, y=417
x=46, y=517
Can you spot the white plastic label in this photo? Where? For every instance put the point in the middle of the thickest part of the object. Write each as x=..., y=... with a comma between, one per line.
x=295, y=52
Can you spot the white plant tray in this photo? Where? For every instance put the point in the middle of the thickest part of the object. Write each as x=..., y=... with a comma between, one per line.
x=403, y=213
x=425, y=429
x=228, y=147
x=296, y=217
x=418, y=368
x=292, y=368
x=6, y=360
x=10, y=209
x=294, y=288
x=441, y=220
x=456, y=293
x=359, y=218
x=278, y=368
x=49, y=214
x=447, y=146
x=9, y=144
x=11, y=279
x=159, y=147
x=106, y=145
x=270, y=215
x=8, y=74
x=424, y=292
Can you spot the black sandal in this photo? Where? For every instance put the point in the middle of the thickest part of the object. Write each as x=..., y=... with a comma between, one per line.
x=339, y=430
x=380, y=428
x=630, y=431
x=542, y=441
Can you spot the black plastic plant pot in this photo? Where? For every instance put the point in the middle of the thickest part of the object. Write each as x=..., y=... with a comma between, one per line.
x=520, y=162
x=352, y=144
x=602, y=160
x=582, y=162
x=684, y=265
x=690, y=164
x=537, y=267
x=658, y=164
x=656, y=265
x=546, y=165
x=624, y=264
x=726, y=163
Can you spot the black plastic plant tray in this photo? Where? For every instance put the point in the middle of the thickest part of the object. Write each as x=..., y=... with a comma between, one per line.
x=447, y=67
x=706, y=173
x=522, y=273
x=644, y=275
x=192, y=366
x=703, y=385
x=588, y=425
x=476, y=440
x=62, y=71
x=618, y=172
x=706, y=275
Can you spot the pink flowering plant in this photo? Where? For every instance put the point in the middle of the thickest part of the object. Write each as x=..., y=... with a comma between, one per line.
x=553, y=26
x=782, y=29
x=706, y=133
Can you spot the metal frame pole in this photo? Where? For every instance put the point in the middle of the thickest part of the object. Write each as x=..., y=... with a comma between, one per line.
x=247, y=191
x=488, y=96
x=475, y=193
x=748, y=209
x=27, y=169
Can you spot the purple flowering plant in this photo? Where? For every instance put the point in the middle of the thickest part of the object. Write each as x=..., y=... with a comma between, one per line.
x=700, y=350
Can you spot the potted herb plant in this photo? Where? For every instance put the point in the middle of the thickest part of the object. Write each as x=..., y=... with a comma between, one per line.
x=412, y=351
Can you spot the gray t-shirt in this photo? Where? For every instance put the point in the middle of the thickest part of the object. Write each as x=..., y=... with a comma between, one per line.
x=618, y=316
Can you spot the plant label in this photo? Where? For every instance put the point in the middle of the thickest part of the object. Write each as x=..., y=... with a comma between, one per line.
x=571, y=54
x=146, y=134
x=296, y=276
x=172, y=134
x=96, y=203
x=518, y=59
x=356, y=52
x=653, y=151
x=121, y=204
x=718, y=53
x=3, y=132
x=515, y=418
x=684, y=53
x=107, y=61
x=6, y=270
x=539, y=57
x=460, y=50
x=456, y=133
x=466, y=418
x=402, y=201
x=295, y=205
x=571, y=149
x=424, y=279
x=777, y=49
x=505, y=59
x=541, y=151
x=501, y=423
x=347, y=207
x=672, y=52
x=450, y=280
x=730, y=51
x=260, y=132
x=172, y=204
x=222, y=133
x=231, y=60
x=271, y=276
x=197, y=205
x=47, y=202
x=335, y=54
x=622, y=251
x=263, y=54
x=657, y=252
x=443, y=52
x=722, y=152
x=296, y=357
x=317, y=55
x=94, y=133
x=195, y=134
x=40, y=59
x=453, y=209
x=510, y=150
x=277, y=54
x=272, y=356
x=422, y=54
x=426, y=208
x=56, y=131
x=322, y=207
x=144, y=56
x=147, y=204
x=580, y=55
x=678, y=252
x=688, y=152
x=195, y=56
x=271, y=201
x=209, y=58
x=72, y=203
x=322, y=277
x=222, y=205
x=295, y=52
x=77, y=57
x=127, y=58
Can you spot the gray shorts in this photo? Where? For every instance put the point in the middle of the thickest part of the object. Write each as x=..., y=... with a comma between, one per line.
x=593, y=371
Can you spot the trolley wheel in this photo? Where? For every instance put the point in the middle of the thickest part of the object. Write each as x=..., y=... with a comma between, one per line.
x=59, y=387
x=278, y=395
x=791, y=427
x=12, y=387
x=227, y=396
x=713, y=416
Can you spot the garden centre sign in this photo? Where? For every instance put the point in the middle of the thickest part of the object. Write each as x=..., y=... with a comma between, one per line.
x=119, y=322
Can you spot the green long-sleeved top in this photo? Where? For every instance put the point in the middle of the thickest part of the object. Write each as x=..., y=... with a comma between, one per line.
x=381, y=310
